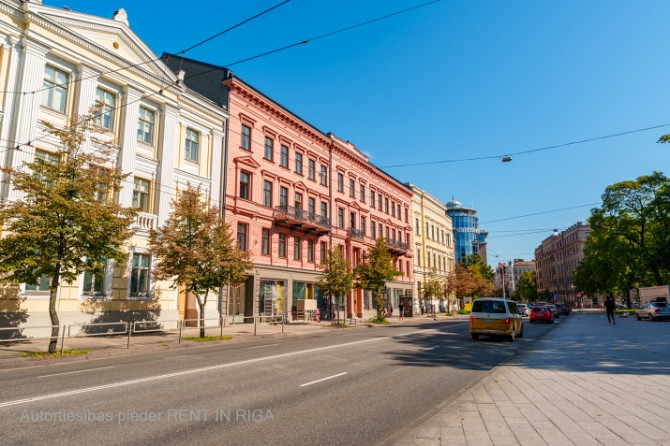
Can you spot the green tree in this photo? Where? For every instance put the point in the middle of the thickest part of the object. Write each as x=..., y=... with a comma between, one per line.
x=67, y=220
x=527, y=287
x=374, y=271
x=196, y=250
x=482, y=275
x=337, y=279
x=434, y=288
x=460, y=282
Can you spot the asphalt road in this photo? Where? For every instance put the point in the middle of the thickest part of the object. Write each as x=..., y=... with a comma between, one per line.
x=359, y=386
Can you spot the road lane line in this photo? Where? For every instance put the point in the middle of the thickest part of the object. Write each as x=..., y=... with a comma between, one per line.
x=323, y=379
x=430, y=348
x=130, y=382
x=261, y=346
x=77, y=371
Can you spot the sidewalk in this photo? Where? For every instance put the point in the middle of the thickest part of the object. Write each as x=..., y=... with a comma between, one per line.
x=584, y=383
x=118, y=345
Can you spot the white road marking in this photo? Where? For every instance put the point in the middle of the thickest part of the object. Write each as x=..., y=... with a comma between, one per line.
x=76, y=371
x=261, y=346
x=430, y=348
x=323, y=379
x=129, y=382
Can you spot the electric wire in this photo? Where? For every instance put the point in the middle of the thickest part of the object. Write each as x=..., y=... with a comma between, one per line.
x=540, y=213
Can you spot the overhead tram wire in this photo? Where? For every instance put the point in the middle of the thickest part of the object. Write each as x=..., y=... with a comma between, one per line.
x=525, y=152
x=539, y=213
x=29, y=143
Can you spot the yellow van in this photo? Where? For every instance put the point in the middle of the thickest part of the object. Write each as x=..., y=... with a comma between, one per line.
x=495, y=316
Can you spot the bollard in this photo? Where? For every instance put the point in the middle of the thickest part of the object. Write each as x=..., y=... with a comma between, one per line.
x=282, y=324
x=255, y=320
x=130, y=329
x=181, y=323
x=221, y=325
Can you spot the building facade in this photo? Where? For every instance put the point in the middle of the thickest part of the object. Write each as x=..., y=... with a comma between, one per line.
x=434, y=256
x=557, y=257
x=56, y=64
x=291, y=192
x=468, y=238
x=508, y=274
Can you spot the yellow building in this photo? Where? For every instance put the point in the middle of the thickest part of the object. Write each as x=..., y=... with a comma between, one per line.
x=55, y=64
x=433, y=247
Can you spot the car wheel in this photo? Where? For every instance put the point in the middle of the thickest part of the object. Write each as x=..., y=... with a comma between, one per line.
x=512, y=336
x=531, y=321
x=475, y=336
x=521, y=332
x=637, y=316
x=652, y=318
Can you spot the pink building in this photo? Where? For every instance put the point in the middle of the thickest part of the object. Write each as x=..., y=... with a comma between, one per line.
x=291, y=191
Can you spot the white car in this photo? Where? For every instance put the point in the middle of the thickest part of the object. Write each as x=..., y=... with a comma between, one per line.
x=524, y=309
x=653, y=311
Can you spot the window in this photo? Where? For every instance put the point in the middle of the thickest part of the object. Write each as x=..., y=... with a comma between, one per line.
x=311, y=169
x=310, y=250
x=311, y=207
x=340, y=218
x=352, y=190
x=372, y=199
x=298, y=201
x=393, y=234
x=245, y=181
x=298, y=163
x=282, y=245
x=379, y=201
x=267, y=193
x=242, y=236
x=54, y=93
x=104, y=104
x=324, y=209
x=268, y=153
x=386, y=205
x=265, y=241
x=392, y=209
x=94, y=283
x=191, y=145
x=145, y=126
x=432, y=232
x=323, y=176
x=296, y=248
x=406, y=216
x=283, y=196
x=139, y=275
x=42, y=285
x=373, y=232
x=141, y=195
x=417, y=226
x=352, y=220
x=324, y=250
x=399, y=215
x=340, y=182
x=362, y=193
x=245, y=141
x=45, y=158
x=283, y=157
x=381, y=230
x=362, y=225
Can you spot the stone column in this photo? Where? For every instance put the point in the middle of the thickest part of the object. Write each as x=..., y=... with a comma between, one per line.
x=167, y=144
x=128, y=143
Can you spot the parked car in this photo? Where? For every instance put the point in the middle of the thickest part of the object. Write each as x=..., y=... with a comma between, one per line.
x=653, y=311
x=541, y=313
x=554, y=310
x=495, y=316
x=524, y=309
x=563, y=308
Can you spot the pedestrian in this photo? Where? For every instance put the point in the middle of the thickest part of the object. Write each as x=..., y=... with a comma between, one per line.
x=609, y=308
x=390, y=310
x=401, y=308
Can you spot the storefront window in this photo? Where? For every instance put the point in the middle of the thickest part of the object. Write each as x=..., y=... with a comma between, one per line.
x=272, y=298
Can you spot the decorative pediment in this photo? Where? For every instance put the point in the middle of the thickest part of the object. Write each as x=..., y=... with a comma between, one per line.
x=247, y=161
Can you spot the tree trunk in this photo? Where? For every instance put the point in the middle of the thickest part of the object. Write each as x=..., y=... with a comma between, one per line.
x=201, y=316
x=55, y=323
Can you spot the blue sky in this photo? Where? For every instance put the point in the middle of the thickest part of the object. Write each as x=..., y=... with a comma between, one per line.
x=455, y=80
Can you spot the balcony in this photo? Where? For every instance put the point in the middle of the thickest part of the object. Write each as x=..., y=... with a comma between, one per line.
x=144, y=222
x=300, y=219
x=356, y=233
x=396, y=247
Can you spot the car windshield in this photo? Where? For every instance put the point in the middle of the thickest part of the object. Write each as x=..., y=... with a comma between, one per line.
x=539, y=308
x=661, y=304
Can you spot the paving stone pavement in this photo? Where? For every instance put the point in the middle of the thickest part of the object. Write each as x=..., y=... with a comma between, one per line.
x=584, y=383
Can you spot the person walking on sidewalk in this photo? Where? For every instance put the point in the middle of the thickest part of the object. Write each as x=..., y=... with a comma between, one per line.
x=401, y=308
x=609, y=308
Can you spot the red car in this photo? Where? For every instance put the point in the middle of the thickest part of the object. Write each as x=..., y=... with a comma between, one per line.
x=541, y=313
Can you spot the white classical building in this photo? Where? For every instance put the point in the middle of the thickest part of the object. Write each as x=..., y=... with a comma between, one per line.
x=56, y=64
x=433, y=246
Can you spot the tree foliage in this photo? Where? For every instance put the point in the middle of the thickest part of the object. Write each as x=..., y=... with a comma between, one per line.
x=527, y=287
x=336, y=279
x=629, y=238
x=374, y=271
x=460, y=282
x=433, y=288
x=67, y=220
x=196, y=250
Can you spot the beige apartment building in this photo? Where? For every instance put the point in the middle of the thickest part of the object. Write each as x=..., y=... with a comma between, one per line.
x=434, y=255
x=557, y=257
